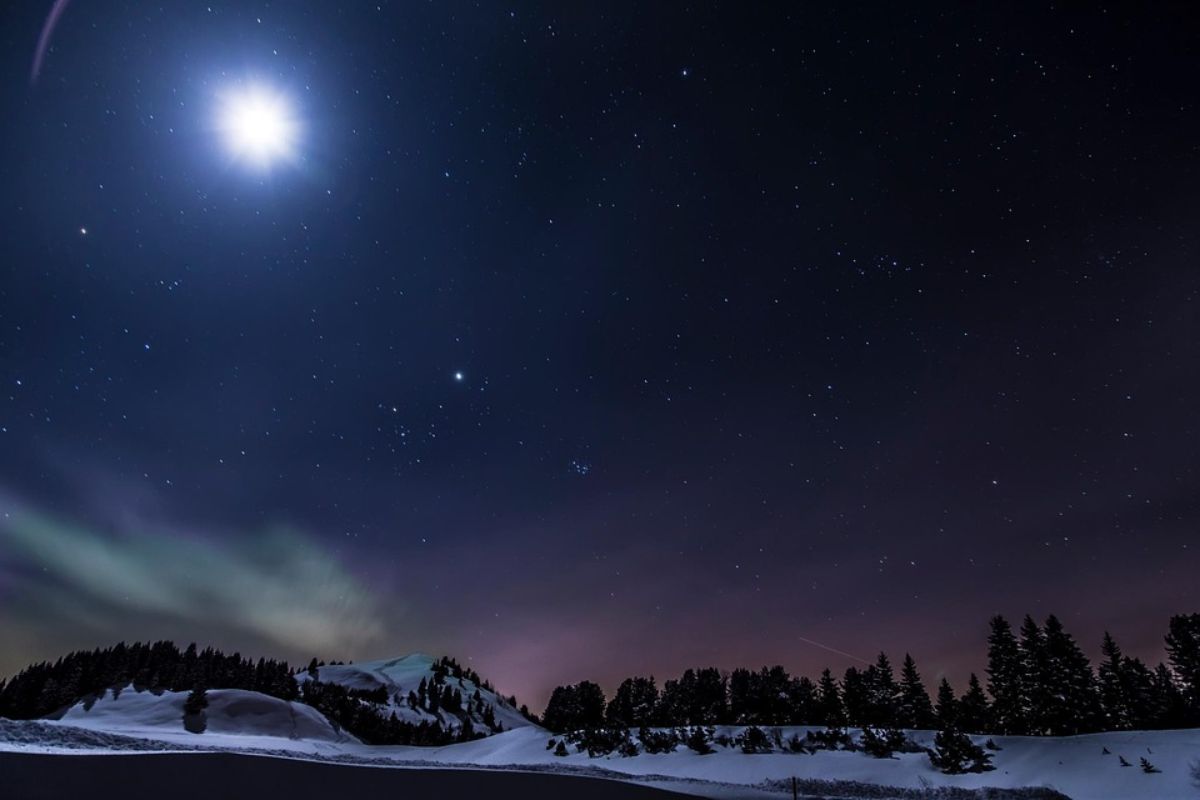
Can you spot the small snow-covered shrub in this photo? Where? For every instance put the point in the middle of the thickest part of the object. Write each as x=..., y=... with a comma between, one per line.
x=954, y=753
x=831, y=739
x=884, y=742
x=627, y=748
x=560, y=749
x=699, y=739
x=659, y=741
x=754, y=740
x=601, y=741
x=796, y=745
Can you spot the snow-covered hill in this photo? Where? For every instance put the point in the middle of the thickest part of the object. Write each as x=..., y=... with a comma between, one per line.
x=230, y=712
x=402, y=679
x=1079, y=767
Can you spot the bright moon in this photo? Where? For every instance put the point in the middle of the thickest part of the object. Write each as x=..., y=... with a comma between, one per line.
x=259, y=125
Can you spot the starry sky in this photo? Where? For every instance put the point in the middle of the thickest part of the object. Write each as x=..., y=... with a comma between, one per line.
x=586, y=342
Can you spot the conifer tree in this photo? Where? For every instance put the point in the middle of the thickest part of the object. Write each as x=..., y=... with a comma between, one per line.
x=1034, y=678
x=946, y=710
x=1183, y=651
x=1114, y=696
x=829, y=709
x=1139, y=689
x=740, y=697
x=591, y=704
x=634, y=704
x=197, y=700
x=1069, y=685
x=915, y=710
x=1004, y=679
x=954, y=753
x=883, y=693
x=194, y=718
x=974, y=711
x=711, y=706
x=801, y=702
x=855, y=700
x=1169, y=707
x=562, y=711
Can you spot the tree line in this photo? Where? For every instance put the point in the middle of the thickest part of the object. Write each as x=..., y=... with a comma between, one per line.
x=1039, y=682
x=47, y=688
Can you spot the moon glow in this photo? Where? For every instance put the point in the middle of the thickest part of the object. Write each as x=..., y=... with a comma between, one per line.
x=258, y=125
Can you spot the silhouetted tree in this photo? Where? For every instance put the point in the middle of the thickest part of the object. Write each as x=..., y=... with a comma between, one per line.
x=855, y=699
x=1183, y=651
x=1004, y=679
x=915, y=710
x=829, y=701
x=954, y=753
x=634, y=704
x=1072, y=704
x=974, y=711
x=946, y=710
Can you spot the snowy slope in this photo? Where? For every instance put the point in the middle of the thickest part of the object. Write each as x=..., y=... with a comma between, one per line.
x=399, y=676
x=230, y=711
x=1075, y=766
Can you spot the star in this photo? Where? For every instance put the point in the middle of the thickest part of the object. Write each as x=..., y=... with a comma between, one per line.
x=458, y=376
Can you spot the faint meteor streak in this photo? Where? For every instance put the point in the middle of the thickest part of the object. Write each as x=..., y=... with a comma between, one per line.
x=834, y=650
x=39, y=55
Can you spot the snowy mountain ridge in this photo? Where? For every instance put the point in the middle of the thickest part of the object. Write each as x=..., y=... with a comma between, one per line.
x=420, y=688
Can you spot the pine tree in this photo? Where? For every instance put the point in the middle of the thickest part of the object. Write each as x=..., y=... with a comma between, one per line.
x=801, y=702
x=698, y=740
x=634, y=704
x=974, y=712
x=1034, y=678
x=1183, y=651
x=1139, y=689
x=954, y=753
x=197, y=701
x=194, y=718
x=1069, y=685
x=711, y=706
x=947, y=706
x=855, y=699
x=915, y=710
x=741, y=699
x=591, y=704
x=1118, y=715
x=1169, y=708
x=883, y=693
x=1004, y=679
x=573, y=708
x=829, y=701
x=562, y=710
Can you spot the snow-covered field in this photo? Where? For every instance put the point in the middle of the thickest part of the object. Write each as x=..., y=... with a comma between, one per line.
x=1082, y=767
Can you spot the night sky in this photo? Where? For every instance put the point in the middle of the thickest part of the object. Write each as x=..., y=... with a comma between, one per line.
x=580, y=343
